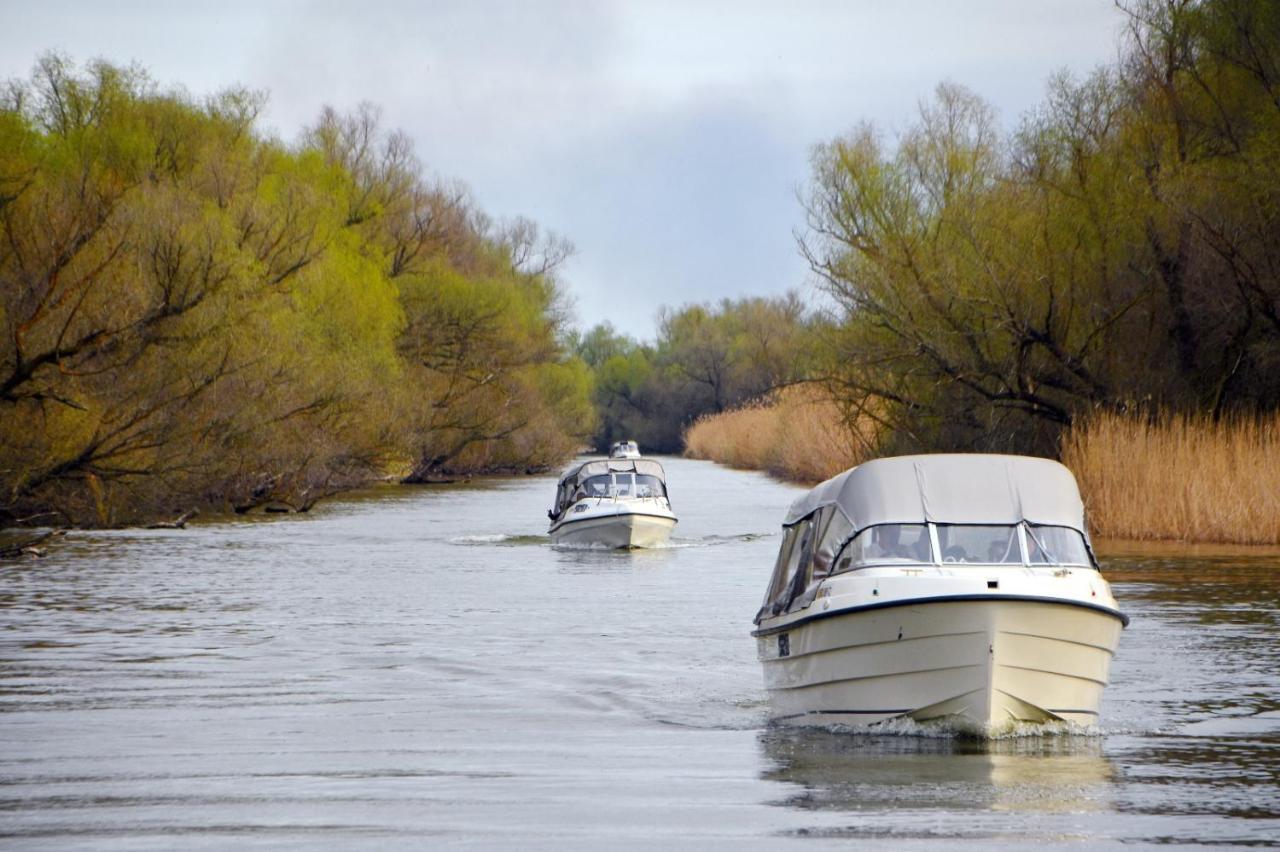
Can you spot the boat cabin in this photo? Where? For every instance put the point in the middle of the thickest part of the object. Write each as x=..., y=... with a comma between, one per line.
x=614, y=478
x=929, y=510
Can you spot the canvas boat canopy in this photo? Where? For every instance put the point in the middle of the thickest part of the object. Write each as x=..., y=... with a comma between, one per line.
x=609, y=478
x=950, y=489
x=580, y=473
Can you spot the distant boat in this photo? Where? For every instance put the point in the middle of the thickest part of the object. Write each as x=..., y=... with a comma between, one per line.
x=938, y=587
x=624, y=450
x=616, y=502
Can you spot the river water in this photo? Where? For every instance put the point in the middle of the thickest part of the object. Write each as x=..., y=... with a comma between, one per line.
x=418, y=667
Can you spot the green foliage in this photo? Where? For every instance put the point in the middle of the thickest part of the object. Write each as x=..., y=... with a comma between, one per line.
x=1119, y=250
x=707, y=358
x=196, y=316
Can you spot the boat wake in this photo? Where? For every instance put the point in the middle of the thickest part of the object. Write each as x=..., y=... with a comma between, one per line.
x=500, y=539
x=958, y=727
x=507, y=540
x=712, y=540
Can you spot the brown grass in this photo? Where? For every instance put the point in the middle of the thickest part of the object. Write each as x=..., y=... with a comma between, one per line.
x=1180, y=478
x=799, y=434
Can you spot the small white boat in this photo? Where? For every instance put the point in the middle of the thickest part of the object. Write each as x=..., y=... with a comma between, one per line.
x=624, y=450
x=956, y=588
x=616, y=502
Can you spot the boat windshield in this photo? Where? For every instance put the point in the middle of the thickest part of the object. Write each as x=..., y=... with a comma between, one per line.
x=887, y=544
x=983, y=543
x=624, y=485
x=650, y=486
x=1056, y=546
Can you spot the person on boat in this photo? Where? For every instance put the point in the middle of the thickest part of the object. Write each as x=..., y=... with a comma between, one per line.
x=889, y=545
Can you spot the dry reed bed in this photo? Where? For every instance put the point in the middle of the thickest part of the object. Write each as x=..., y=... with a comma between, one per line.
x=1181, y=478
x=799, y=434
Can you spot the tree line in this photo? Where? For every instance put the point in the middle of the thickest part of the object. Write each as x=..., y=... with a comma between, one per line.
x=705, y=359
x=1119, y=251
x=197, y=315
x=194, y=314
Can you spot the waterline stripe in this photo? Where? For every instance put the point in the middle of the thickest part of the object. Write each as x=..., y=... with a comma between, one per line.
x=809, y=619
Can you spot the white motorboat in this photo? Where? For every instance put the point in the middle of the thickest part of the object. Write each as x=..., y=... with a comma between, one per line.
x=955, y=588
x=616, y=502
x=624, y=450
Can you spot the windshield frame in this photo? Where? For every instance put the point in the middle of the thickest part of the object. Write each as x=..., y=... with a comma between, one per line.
x=841, y=565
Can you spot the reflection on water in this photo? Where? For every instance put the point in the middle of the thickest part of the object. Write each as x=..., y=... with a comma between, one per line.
x=861, y=772
x=419, y=666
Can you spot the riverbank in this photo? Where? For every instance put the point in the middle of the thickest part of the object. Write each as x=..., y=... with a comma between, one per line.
x=1176, y=478
x=799, y=435
x=1179, y=478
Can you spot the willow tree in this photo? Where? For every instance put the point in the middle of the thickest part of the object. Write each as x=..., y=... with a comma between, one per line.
x=194, y=315
x=183, y=324
x=1112, y=252
x=486, y=381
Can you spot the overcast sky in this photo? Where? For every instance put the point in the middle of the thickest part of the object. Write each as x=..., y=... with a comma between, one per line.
x=665, y=140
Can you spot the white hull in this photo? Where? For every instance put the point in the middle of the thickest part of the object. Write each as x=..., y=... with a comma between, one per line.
x=624, y=529
x=984, y=664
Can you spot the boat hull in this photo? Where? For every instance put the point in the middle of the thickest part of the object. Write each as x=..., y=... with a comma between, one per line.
x=984, y=665
x=622, y=530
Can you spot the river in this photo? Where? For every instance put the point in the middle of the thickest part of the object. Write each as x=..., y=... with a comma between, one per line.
x=415, y=667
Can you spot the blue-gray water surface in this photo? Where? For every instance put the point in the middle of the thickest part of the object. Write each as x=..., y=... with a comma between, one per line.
x=416, y=667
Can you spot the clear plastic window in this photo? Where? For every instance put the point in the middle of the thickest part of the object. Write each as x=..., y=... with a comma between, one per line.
x=834, y=533
x=597, y=486
x=887, y=544
x=796, y=552
x=649, y=486
x=1056, y=546
x=623, y=485
x=985, y=544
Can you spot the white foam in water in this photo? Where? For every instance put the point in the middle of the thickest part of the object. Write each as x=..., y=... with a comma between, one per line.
x=955, y=727
x=499, y=539
x=674, y=544
x=480, y=539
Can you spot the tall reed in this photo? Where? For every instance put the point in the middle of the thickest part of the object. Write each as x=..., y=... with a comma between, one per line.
x=1179, y=477
x=798, y=434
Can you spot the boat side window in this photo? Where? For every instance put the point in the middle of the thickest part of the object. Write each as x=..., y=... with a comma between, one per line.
x=784, y=571
x=1056, y=546
x=980, y=543
x=801, y=561
x=887, y=544
x=835, y=530
x=794, y=558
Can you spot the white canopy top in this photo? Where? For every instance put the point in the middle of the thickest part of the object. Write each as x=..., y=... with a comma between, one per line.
x=951, y=489
x=579, y=472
